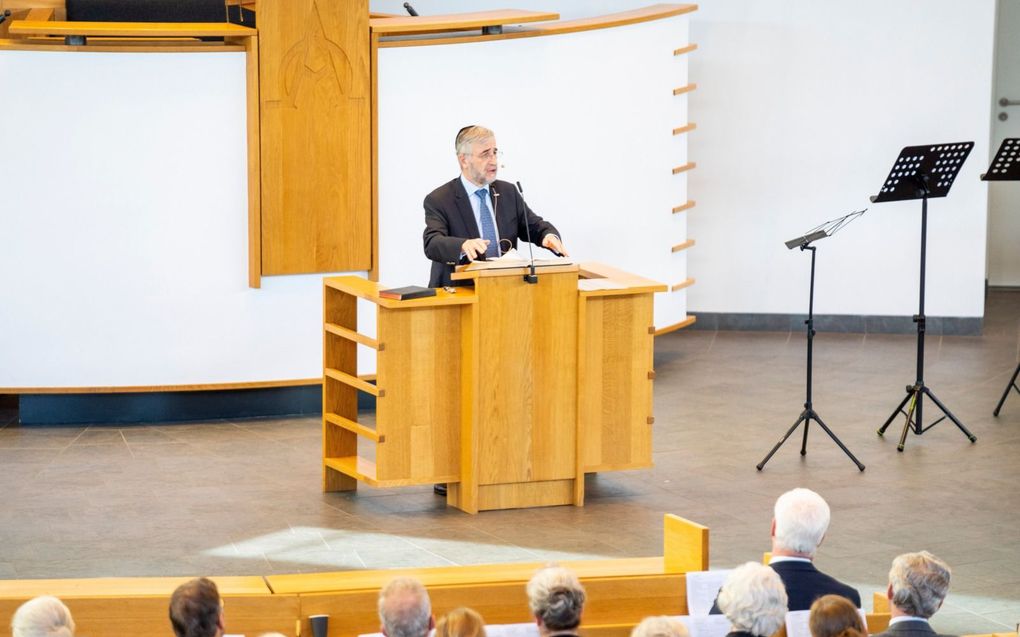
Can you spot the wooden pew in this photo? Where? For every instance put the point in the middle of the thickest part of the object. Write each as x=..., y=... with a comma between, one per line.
x=620, y=592
x=113, y=607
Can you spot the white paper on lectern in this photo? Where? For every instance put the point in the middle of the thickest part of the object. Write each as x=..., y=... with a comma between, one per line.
x=702, y=589
x=705, y=625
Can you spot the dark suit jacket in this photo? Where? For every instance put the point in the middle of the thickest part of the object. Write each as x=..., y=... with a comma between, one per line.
x=804, y=584
x=449, y=221
x=909, y=628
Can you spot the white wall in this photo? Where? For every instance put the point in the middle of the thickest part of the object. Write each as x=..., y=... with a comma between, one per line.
x=123, y=228
x=802, y=107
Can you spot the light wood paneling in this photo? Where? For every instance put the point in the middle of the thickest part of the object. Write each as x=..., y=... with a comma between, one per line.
x=420, y=414
x=614, y=384
x=684, y=89
x=680, y=247
x=681, y=169
x=683, y=284
x=315, y=128
x=527, y=398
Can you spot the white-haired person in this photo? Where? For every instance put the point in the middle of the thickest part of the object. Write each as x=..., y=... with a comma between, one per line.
x=753, y=599
x=660, y=626
x=42, y=617
x=405, y=609
x=556, y=599
x=918, y=583
x=800, y=520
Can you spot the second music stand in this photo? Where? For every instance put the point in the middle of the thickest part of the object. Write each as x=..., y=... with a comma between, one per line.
x=922, y=172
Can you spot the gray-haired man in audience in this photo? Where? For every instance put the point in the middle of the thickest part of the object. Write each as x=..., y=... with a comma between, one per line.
x=405, y=609
x=918, y=582
x=799, y=522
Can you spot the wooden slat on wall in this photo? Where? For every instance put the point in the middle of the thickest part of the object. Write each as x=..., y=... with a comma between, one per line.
x=315, y=116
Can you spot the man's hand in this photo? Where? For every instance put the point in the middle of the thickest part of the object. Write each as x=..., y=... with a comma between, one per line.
x=474, y=247
x=553, y=243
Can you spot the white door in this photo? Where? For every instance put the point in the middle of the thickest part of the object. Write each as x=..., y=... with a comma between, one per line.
x=1004, y=196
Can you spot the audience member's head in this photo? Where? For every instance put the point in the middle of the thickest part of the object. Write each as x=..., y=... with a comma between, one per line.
x=196, y=610
x=799, y=522
x=405, y=609
x=42, y=617
x=753, y=599
x=659, y=626
x=461, y=622
x=835, y=616
x=556, y=599
x=918, y=582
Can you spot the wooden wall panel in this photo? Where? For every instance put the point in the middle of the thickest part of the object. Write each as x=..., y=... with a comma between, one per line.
x=315, y=116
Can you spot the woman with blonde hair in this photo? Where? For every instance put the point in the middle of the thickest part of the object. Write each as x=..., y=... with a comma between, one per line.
x=461, y=622
x=835, y=616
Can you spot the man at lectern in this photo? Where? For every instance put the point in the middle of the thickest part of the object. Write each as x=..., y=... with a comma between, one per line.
x=474, y=216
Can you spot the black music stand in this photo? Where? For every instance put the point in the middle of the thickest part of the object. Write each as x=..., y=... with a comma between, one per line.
x=1006, y=167
x=922, y=172
x=804, y=242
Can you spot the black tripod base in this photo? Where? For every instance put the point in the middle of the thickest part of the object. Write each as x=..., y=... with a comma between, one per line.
x=806, y=417
x=1012, y=385
x=915, y=395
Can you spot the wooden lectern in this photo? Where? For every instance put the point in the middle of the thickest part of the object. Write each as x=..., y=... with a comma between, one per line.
x=509, y=392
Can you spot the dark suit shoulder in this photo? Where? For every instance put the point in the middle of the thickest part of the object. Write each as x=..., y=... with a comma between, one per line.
x=804, y=584
x=910, y=629
x=446, y=192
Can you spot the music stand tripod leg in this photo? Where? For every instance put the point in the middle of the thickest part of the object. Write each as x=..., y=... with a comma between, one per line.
x=949, y=414
x=802, y=418
x=1009, y=386
x=837, y=441
x=898, y=410
x=913, y=414
x=809, y=413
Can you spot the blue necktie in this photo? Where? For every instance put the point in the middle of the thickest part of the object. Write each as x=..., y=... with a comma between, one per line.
x=488, y=228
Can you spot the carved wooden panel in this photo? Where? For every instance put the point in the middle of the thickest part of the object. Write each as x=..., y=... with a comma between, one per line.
x=315, y=115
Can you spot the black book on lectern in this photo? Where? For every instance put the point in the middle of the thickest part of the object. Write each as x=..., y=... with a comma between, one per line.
x=1006, y=165
x=407, y=293
x=931, y=168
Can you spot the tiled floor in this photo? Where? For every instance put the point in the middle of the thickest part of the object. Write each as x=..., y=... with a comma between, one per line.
x=243, y=497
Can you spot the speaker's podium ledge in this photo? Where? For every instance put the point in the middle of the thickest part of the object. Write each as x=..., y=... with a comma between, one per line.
x=514, y=267
x=369, y=290
x=364, y=470
x=690, y=320
x=599, y=279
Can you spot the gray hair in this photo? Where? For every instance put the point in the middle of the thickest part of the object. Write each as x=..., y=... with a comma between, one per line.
x=404, y=608
x=42, y=617
x=919, y=581
x=754, y=599
x=659, y=626
x=468, y=136
x=556, y=596
x=802, y=518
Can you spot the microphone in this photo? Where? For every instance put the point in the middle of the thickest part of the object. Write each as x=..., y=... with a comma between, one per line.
x=531, y=277
x=410, y=9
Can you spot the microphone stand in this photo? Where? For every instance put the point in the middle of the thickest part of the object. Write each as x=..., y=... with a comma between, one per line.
x=531, y=277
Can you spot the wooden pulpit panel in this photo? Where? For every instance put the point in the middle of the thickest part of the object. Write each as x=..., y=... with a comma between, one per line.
x=615, y=384
x=419, y=369
x=527, y=380
x=315, y=117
